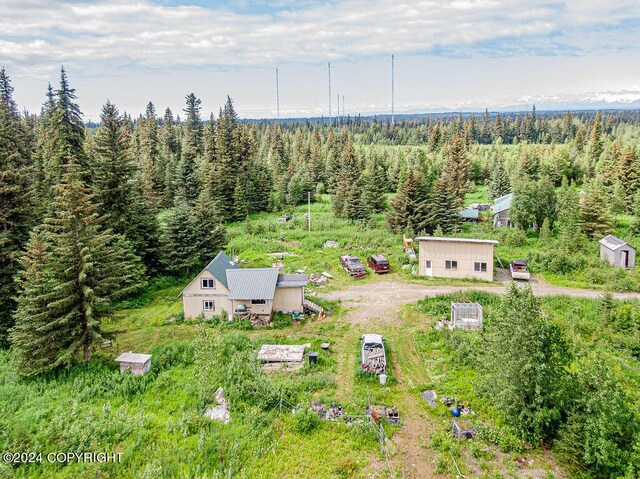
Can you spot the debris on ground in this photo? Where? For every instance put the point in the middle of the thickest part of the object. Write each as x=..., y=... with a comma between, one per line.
x=430, y=396
x=327, y=275
x=462, y=408
x=391, y=414
x=524, y=462
x=330, y=244
x=219, y=412
x=325, y=346
x=315, y=278
x=260, y=320
x=334, y=412
x=463, y=430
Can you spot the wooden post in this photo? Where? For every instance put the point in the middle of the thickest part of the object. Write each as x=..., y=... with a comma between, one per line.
x=309, y=209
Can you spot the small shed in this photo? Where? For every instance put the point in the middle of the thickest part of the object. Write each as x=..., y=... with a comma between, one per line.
x=466, y=315
x=501, y=209
x=617, y=252
x=134, y=362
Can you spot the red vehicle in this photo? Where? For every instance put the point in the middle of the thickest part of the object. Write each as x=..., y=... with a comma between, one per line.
x=378, y=263
x=353, y=266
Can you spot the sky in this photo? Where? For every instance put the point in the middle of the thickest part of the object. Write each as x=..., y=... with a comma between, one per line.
x=450, y=55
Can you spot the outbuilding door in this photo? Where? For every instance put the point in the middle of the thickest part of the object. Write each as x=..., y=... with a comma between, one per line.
x=625, y=258
x=428, y=268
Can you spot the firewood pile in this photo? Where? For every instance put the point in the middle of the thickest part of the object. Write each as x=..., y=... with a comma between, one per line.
x=374, y=361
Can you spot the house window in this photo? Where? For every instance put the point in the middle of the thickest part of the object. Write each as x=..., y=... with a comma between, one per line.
x=427, y=264
x=448, y=264
x=208, y=283
x=208, y=305
x=258, y=301
x=480, y=267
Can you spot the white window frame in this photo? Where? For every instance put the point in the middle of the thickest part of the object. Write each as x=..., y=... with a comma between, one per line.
x=451, y=264
x=479, y=267
x=206, y=302
x=208, y=280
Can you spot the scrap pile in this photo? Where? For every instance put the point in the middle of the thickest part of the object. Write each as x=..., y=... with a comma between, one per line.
x=463, y=430
x=430, y=396
x=374, y=360
x=260, y=320
x=391, y=414
x=219, y=412
x=330, y=244
x=464, y=410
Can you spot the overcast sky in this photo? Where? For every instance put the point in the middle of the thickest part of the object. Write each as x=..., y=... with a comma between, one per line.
x=450, y=55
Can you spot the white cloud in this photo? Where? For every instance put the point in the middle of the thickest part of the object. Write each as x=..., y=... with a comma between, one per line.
x=142, y=34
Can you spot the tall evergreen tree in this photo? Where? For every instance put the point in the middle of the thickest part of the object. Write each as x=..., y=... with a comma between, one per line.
x=409, y=208
x=86, y=267
x=16, y=209
x=192, y=147
x=499, y=183
x=120, y=196
x=595, y=221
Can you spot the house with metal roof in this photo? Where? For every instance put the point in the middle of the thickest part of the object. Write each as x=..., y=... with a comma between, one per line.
x=501, y=209
x=617, y=252
x=224, y=287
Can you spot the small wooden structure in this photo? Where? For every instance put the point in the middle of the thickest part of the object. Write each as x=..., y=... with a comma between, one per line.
x=466, y=315
x=501, y=211
x=281, y=356
x=617, y=252
x=134, y=362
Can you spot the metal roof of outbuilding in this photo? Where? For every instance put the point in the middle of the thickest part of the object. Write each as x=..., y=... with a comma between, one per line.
x=613, y=243
x=252, y=283
x=292, y=280
x=135, y=358
x=502, y=204
x=456, y=240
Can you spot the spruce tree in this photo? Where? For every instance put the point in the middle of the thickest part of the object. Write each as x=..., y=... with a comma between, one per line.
x=457, y=168
x=499, y=183
x=595, y=221
x=35, y=336
x=16, y=208
x=147, y=133
x=445, y=206
x=209, y=233
x=347, y=201
x=409, y=208
x=86, y=267
x=180, y=250
x=629, y=177
x=192, y=147
x=119, y=193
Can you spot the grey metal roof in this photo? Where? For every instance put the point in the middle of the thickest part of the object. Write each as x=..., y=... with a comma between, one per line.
x=456, y=240
x=613, y=243
x=502, y=204
x=252, y=283
x=219, y=266
x=134, y=358
x=292, y=280
x=469, y=213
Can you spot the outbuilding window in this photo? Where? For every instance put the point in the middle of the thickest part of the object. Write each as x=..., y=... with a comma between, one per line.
x=208, y=305
x=450, y=264
x=480, y=267
x=208, y=283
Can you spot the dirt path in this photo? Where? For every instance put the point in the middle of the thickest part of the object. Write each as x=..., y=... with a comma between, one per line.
x=382, y=301
x=377, y=306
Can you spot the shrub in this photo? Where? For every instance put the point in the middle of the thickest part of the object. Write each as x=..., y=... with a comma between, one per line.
x=305, y=421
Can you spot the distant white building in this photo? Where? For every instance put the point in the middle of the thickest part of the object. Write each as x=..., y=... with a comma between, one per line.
x=617, y=252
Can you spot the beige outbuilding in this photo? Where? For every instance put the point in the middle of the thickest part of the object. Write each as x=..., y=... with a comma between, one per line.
x=456, y=257
x=223, y=287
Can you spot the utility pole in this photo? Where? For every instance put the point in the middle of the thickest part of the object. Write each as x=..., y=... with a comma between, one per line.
x=329, y=70
x=309, y=209
x=393, y=87
x=338, y=114
x=278, y=95
x=343, y=109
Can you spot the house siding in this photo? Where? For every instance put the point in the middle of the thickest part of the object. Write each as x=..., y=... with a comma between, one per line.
x=194, y=295
x=465, y=253
x=286, y=300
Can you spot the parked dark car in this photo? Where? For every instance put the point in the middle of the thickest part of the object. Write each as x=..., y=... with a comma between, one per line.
x=353, y=266
x=378, y=263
